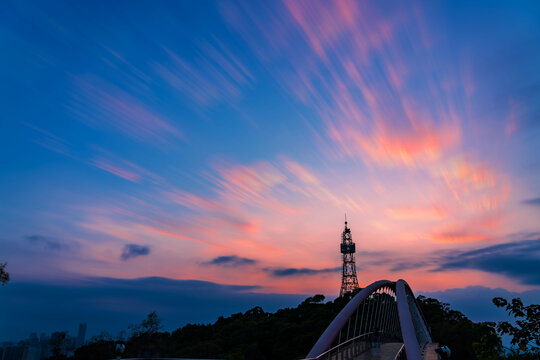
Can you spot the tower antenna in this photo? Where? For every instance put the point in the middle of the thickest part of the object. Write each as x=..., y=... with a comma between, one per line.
x=349, y=281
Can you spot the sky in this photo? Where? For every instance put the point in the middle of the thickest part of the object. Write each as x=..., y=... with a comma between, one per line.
x=223, y=143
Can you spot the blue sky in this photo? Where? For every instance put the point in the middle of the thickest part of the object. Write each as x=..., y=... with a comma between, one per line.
x=148, y=140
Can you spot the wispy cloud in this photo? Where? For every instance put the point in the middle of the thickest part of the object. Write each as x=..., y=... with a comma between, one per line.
x=231, y=261
x=286, y=272
x=133, y=250
x=48, y=242
x=519, y=260
x=533, y=201
x=50, y=141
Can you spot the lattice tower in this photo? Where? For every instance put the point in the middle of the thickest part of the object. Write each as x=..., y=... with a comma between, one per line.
x=349, y=281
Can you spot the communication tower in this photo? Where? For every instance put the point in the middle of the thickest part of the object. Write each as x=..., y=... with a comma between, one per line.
x=349, y=282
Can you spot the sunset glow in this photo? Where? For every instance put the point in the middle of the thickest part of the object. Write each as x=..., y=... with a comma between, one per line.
x=225, y=143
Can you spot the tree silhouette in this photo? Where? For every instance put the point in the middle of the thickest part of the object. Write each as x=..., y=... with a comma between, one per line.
x=4, y=275
x=525, y=331
x=149, y=326
x=58, y=345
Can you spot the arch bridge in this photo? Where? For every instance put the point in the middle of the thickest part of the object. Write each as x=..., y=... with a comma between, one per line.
x=382, y=321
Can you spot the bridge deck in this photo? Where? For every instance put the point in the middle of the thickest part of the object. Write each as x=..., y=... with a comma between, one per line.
x=387, y=351
x=429, y=351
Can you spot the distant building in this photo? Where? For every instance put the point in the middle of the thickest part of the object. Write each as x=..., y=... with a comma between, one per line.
x=31, y=353
x=81, y=335
x=34, y=348
x=13, y=352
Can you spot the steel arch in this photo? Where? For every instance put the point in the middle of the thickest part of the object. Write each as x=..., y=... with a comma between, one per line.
x=407, y=310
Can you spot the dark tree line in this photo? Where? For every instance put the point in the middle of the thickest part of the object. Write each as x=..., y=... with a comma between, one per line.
x=290, y=333
x=286, y=334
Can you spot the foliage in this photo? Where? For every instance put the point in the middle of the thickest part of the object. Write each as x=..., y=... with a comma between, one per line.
x=58, y=344
x=149, y=326
x=489, y=347
x=466, y=339
x=4, y=275
x=96, y=349
x=525, y=329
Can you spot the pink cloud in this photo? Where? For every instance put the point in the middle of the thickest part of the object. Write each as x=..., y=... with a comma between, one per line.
x=123, y=168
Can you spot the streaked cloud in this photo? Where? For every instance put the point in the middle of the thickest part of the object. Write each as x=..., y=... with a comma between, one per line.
x=214, y=75
x=124, y=169
x=115, y=170
x=105, y=106
x=261, y=182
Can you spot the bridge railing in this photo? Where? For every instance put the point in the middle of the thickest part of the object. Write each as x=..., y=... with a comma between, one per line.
x=355, y=346
x=401, y=355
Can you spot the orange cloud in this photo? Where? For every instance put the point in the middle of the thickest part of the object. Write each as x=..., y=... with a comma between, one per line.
x=418, y=146
x=459, y=236
x=475, y=185
x=417, y=213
